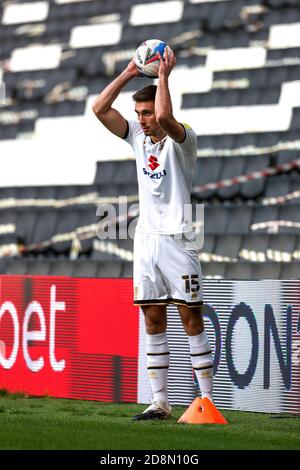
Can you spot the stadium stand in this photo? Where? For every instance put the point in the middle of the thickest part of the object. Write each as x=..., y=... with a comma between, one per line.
x=236, y=82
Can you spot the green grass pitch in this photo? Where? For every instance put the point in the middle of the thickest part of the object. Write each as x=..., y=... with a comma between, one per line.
x=50, y=423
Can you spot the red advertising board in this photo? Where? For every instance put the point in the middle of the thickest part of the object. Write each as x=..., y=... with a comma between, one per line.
x=69, y=337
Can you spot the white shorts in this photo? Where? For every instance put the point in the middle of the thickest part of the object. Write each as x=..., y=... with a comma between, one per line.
x=166, y=270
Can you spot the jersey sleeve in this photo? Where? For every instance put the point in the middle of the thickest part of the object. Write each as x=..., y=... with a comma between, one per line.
x=189, y=145
x=133, y=130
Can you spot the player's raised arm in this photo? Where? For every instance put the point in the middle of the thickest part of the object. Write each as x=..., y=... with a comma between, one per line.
x=110, y=117
x=163, y=103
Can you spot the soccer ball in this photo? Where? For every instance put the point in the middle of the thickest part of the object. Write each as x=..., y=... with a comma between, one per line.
x=146, y=57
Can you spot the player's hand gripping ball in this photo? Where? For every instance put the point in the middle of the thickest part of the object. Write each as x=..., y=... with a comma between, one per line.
x=146, y=57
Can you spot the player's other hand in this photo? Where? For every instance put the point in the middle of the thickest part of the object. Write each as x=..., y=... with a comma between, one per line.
x=132, y=69
x=167, y=62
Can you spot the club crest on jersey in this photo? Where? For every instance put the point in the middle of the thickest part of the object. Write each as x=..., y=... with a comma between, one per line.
x=153, y=162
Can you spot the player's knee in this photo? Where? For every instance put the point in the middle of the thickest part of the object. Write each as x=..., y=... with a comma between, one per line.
x=154, y=326
x=192, y=322
x=155, y=321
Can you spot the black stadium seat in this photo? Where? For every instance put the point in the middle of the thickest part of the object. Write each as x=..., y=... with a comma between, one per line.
x=209, y=242
x=67, y=222
x=3, y=265
x=290, y=214
x=16, y=266
x=279, y=244
x=253, y=188
x=115, y=173
x=207, y=171
x=26, y=224
x=295, y=124
x=85, y=268
x=127, y=269
x=228, y=245
x=265, y=214
x=38, y=267
x=62, y=267
x=9, y=219
x=239, y=271
x=231, y=168
x=109, y=269
x=255, y=243
x=294, y=186
x=215, y=219
x=239, y=219
x=214, y=270
x=277, y=186
x=290, y=271
x=220, y=98
x=287, y=156
x=266, y=270
x=45, y=228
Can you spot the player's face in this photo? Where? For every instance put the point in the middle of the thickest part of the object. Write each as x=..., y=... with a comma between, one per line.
x=146, y=116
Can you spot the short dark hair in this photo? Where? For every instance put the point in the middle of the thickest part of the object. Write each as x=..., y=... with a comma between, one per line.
x=145, y=94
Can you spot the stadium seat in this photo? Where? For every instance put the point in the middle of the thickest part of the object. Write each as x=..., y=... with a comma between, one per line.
x=228, y=245
x=223, y=98
x=67, y=222
x=16, y=266
x=254, y=246
x=224, y=14
x=8, y=217
x=103, y=256
x=239, y=219
x=207, y=171
x=290, y=271
x=280, y=3
x=62, y=267
x=68, y=192
x=267, y=139
x=232, y=167
x=26, y=223
x=87, y=225
x=38, y=267
x=286, y=156
x=45, y=228
x=295, y=124
x=291, y=214
x=253, y=188
x=265, y=214
x=281, y=247
x=277, y=186
x=267, y=270
x=3, y=265
x=214, y=270
x=127, y=269
x=285, y=15
x=8, y=132
x=215, y=219
x=239, y=271
x=116, y=173
x=109, y=269
x=294, y=186
x=7, y=193
x=85, y=268
x=209, y=243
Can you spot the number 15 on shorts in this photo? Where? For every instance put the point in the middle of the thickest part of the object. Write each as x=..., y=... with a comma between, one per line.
x=191, y=283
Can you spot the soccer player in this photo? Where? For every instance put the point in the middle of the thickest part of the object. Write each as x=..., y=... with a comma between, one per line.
x=166, y=252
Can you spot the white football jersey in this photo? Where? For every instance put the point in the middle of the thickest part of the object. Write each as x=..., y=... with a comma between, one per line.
x=165, y=172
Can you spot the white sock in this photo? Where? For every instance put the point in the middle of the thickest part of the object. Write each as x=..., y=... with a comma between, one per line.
x=202, y=363
x=158, y=359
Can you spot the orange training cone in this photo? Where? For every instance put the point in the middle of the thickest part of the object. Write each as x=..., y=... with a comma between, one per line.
x=202, y=411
